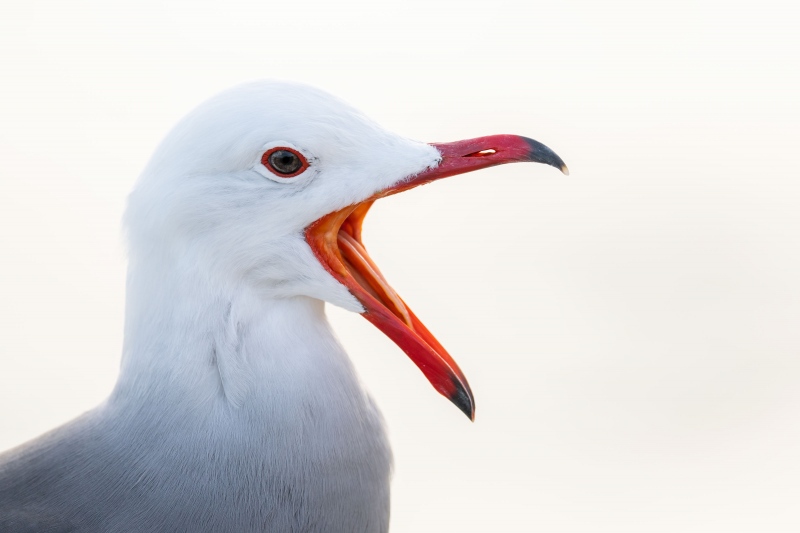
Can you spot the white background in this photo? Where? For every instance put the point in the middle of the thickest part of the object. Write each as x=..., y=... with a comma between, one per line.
x=631, y=332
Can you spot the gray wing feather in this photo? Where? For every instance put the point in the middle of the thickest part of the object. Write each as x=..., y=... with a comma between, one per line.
x=33, y=521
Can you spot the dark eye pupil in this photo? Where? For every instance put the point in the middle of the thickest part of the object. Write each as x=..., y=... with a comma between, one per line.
x=285, y=162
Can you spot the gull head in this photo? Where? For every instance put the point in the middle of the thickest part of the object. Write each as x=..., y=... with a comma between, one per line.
x=267, y=184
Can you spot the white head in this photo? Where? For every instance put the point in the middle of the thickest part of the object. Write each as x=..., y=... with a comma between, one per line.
x=207, y=193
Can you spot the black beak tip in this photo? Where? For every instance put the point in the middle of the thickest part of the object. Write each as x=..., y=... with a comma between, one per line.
x=462, y=398
x=539, y=153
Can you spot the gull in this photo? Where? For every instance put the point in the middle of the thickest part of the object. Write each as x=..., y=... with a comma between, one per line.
x=236, y=409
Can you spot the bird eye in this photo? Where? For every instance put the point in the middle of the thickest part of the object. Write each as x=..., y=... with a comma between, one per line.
x=284, y=162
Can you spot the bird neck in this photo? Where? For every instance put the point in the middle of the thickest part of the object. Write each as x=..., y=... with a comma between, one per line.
x=242, y=393
x=194, y=337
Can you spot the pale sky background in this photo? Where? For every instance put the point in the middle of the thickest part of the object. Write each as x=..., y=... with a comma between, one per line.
x=631, y=332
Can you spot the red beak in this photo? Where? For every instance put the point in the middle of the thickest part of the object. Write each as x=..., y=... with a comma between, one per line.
x=336, y=241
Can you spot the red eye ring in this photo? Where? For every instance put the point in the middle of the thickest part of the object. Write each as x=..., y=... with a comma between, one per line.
x=284, y=162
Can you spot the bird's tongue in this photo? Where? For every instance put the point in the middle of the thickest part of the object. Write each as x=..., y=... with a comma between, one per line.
x=363, y=270
x=336, y=241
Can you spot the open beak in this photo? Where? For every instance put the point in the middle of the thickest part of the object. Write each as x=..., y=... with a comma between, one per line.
x=336, y=241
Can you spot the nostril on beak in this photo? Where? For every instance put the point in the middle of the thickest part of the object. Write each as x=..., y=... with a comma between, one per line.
x=482, y=153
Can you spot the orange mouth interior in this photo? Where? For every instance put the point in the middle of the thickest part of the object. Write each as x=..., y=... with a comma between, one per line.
x=337, y=239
